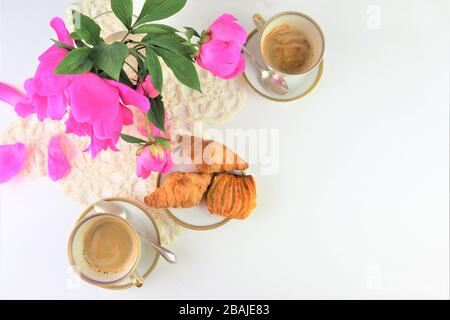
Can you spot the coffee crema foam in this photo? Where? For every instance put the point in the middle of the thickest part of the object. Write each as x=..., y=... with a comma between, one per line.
x=287, y=49
x=108, y=246
x=105, y=249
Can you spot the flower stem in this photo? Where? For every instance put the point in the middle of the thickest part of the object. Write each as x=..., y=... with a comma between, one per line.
x=126, y=36
x=149, y=132
x=131, y=67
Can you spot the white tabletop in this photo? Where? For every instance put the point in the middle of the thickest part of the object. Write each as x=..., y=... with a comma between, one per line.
x=359, y=207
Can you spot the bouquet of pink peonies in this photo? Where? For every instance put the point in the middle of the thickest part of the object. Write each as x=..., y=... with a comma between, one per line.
x=82, y=80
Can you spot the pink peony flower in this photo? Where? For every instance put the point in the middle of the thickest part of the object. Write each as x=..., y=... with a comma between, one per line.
x=98, y=105
x=98, y=110
x=147, y=88
x=222, y=54
x=58, y=164
x=12, y=159
x=46, y=94
x=153, y=158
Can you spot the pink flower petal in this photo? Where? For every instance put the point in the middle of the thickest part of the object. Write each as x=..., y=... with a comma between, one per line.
x=153, y=159
x=57, y=106
x=45, y=81
x=58, y=164
x=240, y=68
x=169, y=163
x=12, y=159
x=131, y=97
x=108, y=129
x=147, y=88
x=127, y=114
x=41, y=107
x=51, y=57
x=98, y=145
x=141, y=169
x=10, y=95
x=60, y=28
x=93, y=98
x=78, y=128
x=25, y=109
x=220, y=58
x=222, y=53
x=226, y=29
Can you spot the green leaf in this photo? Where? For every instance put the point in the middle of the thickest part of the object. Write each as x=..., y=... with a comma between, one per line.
x=157, y=115
x=76, y=62
x=154, y=68
x=183, y=68
x=87, y=29
x=154, y=10
x=123, y=9
x=155, y=28
x=131, y=139
x=172, y=42
x=110, y=58
x=62, y=45
x=190, y=32
x=74, y=36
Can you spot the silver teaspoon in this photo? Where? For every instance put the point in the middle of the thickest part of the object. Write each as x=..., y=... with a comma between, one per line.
x=108, y=207
x=272, y=80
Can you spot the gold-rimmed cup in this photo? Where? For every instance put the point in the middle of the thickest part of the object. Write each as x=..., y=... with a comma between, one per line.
x=95, y=274
x=304, y=24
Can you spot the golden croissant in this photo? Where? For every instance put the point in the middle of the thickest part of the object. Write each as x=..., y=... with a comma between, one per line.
x=180, y=190
x=211, y=156
x=232, y=196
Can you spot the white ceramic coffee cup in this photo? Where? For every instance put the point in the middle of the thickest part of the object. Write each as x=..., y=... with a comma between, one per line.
x=300, y=22
x=76, y=247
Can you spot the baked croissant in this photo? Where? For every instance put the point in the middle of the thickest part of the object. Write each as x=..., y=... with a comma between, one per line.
x=232, y=196
x=180, y=190
x=210, y=156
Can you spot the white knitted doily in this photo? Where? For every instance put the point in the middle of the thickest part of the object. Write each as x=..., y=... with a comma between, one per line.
x=113, y=174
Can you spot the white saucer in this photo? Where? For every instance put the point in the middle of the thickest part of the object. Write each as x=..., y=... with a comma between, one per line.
x=144, y=224
x=299, y=86
x=198, y=217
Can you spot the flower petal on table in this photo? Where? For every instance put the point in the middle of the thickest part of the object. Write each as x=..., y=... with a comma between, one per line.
x=25, y=109
x=58, y=164
x=12, y=159
x=10, y=95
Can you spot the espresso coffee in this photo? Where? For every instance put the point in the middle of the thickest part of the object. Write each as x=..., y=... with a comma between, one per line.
x=105, y=248
x=108, y=245
x=287, y=49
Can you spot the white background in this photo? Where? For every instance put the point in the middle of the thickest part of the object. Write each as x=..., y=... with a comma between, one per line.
x=359, y=207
